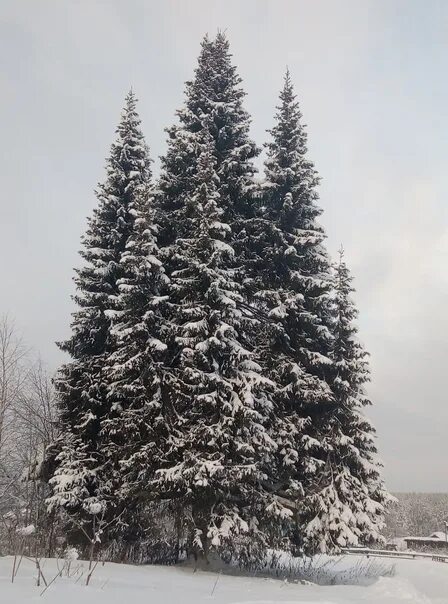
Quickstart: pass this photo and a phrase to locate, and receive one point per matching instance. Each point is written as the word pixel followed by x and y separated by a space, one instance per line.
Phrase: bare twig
pixel 91 571
pixel 216 583
pixel 58 574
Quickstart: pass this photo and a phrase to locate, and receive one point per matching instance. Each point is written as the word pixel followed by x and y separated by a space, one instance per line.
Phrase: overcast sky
pixel 372 82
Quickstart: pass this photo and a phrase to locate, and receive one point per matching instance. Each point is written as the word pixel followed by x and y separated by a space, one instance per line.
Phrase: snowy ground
pixel 415 582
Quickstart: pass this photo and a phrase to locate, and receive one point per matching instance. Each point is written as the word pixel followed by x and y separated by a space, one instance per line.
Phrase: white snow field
pixel 415 582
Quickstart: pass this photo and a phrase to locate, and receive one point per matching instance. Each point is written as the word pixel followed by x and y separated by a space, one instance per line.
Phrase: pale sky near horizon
pixel 371 77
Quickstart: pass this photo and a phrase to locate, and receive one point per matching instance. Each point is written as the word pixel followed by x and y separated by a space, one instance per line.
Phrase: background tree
pixel 12 378
pixel 416 514
pixel 28 427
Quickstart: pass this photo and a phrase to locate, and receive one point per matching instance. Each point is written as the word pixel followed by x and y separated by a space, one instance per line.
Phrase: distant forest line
pixel 417 514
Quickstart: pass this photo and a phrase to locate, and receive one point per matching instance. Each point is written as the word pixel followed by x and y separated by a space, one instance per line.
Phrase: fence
pixel 385 553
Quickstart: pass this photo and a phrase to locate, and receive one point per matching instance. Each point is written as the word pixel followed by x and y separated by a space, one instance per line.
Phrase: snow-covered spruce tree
pixel 135 430
pixel 79 484
pixel 349 509
pixel 289 277
pixel 224 448
pixel 220 458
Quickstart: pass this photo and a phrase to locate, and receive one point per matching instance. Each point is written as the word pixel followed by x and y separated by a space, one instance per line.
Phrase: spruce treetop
pixel 290 176
pixel 214 99
pixel 292 271
pixel 127 178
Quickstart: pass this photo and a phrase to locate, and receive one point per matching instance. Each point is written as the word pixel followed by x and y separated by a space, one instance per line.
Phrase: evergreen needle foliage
pixel 214 399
